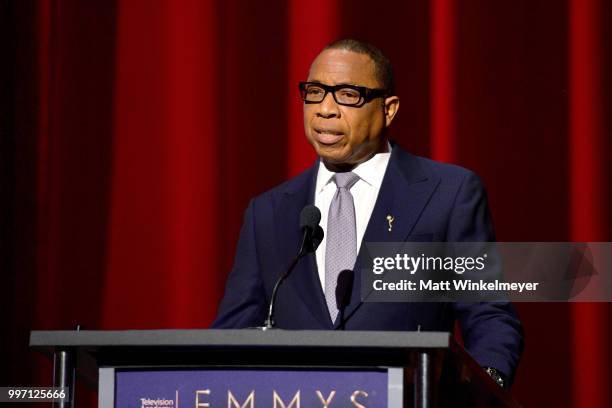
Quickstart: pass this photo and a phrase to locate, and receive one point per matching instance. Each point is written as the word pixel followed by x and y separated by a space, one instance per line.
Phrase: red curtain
pixel 139 131
pixel 587 203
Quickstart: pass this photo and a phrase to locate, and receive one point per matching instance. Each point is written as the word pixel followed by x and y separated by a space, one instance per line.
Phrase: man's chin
pixel 332 155
pixel 337 163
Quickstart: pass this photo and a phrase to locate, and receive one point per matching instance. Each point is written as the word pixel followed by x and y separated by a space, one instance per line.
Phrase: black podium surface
pixel 437 370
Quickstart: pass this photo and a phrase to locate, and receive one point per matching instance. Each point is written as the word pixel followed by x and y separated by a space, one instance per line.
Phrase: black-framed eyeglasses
pixel 344 94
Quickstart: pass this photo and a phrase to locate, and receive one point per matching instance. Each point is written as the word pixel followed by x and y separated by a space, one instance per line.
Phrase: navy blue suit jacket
pixel 429 200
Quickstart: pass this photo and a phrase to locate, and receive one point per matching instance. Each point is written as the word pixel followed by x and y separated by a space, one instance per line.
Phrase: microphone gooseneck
pixel 312 235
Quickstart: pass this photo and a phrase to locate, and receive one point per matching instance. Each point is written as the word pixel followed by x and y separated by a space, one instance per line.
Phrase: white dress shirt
pixel 364 191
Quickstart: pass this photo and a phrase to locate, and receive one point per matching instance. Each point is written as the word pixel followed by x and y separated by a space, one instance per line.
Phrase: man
pixel 367 191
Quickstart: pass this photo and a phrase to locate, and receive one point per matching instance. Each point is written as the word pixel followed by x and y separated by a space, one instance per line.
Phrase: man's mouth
pixel 328 135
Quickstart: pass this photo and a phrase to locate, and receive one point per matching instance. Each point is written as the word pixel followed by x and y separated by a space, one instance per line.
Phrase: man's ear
pixel 391 106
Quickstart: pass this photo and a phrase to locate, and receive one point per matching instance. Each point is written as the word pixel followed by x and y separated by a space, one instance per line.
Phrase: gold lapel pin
pixel 390 220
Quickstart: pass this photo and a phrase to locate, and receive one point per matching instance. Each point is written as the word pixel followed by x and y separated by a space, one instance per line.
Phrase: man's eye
pixel 314 91
pixel 348 93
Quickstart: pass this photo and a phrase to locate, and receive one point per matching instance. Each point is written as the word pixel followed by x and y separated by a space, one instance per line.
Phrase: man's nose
pixel 328 108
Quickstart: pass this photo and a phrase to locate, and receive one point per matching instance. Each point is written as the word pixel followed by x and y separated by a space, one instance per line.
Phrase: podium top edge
pixel 240 338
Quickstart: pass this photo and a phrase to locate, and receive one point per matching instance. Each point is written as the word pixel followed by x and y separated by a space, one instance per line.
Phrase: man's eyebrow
pixel 318 81
pixel 340 84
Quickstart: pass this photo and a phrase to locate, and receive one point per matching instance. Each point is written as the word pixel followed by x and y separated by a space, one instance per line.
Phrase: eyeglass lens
pixel 316 93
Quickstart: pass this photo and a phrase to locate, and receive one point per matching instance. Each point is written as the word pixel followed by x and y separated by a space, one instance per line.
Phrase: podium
pixel 275 368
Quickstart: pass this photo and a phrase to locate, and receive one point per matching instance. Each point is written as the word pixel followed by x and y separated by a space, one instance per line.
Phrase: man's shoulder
pixel 412 165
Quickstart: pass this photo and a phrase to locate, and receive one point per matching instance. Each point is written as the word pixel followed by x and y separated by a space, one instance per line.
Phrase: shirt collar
pixel 371 171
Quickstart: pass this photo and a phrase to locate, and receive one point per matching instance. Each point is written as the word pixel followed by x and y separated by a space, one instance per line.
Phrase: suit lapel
pixel 404 193
pixel 304 278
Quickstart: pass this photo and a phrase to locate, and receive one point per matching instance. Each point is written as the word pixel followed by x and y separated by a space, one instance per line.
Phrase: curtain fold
pixel 312 25
pixel 590 321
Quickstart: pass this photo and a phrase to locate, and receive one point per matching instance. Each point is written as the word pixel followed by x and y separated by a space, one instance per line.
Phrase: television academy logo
pixel 159 402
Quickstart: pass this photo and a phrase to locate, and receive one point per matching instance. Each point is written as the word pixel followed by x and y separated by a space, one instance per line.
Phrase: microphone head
pixel 317 237
pixel 344 288
pixel 310 217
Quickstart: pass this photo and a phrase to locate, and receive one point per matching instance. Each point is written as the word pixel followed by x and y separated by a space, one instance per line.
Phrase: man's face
pixel 344 136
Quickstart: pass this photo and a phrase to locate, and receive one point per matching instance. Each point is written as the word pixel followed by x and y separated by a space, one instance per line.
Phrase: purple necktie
pixel 341 240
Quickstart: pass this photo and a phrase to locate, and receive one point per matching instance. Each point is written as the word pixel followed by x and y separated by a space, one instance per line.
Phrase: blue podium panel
pixel 251 388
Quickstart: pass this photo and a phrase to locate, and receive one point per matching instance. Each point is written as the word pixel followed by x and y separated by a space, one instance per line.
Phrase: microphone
pixel 344 288
pixel 312 235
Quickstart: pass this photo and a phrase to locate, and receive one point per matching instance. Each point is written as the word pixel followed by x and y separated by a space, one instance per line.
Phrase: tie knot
pixel 345 180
